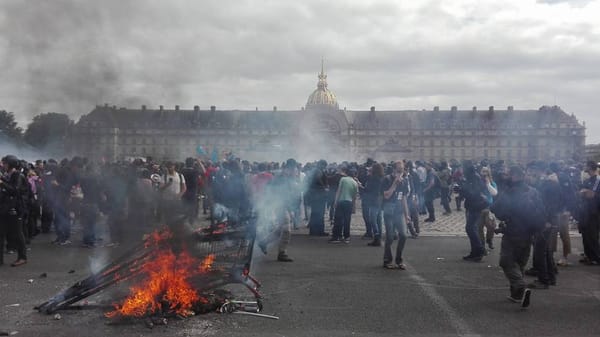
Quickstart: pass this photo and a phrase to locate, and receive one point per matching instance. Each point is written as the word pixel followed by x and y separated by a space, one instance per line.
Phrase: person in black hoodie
pixel 473 191
pixel 10 204
pixel 590 224
pixel 317 191
pixel 521 209
pixel 543 258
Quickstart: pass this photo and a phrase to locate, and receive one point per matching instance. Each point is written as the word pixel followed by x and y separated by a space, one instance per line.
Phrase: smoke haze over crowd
pixel 67 55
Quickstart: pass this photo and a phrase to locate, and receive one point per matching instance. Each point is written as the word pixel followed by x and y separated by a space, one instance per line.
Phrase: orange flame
pixel 166 288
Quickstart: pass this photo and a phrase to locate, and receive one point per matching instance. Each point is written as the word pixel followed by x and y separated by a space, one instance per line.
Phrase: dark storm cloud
pixel 67 56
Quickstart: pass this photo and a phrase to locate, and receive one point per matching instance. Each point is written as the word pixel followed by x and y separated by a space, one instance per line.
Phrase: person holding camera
pixel 395 189
pixel 521 209
pixel 10 209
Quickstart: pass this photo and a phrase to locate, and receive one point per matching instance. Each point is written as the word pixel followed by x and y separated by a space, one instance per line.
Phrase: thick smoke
pixel 68 58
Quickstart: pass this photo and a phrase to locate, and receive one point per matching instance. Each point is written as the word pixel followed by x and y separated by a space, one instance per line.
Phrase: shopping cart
pixel 228 244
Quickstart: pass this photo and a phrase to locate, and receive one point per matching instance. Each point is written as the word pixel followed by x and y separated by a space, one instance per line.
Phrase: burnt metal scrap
pixel 230 246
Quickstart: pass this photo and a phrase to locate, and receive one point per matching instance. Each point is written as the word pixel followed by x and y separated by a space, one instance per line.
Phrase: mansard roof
pixel 112 117
pixel 543 117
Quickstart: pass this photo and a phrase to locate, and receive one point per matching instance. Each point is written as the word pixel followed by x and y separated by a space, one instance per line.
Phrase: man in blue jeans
pixel 344 205
pixel 395 188
pixel 473 191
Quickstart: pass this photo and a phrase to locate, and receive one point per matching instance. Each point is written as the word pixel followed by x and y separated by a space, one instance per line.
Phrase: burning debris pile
pixel 174 275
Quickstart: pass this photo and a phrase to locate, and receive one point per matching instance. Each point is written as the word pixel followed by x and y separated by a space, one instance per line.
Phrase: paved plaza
pixel 329 290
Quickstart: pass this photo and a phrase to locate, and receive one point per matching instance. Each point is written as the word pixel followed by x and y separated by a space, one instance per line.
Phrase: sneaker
pixel 283 257
pixel 401 266
pixel 19 262
pixel 513 299
pixel 374 243
pixel 88 245
pixel 516 295
pixel 389 265
pixel 10 252
pixel 530 272
pixel 473 258
pixel 526 300
pixel 334 240
pixel 538 285
pixel 563 263
pixel 64 243
pixel 346 240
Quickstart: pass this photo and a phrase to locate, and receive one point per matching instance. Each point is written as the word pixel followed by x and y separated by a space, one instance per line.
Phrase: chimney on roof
pixel 491 109
pixel 143 108
pixel 453 109
pixel 196 108
pixel 474 108
pixel 436 108
pixel 213 108
pixel 177 108
pixel 372 109
pixel 274 108
pixel 160 107
pixel 510 108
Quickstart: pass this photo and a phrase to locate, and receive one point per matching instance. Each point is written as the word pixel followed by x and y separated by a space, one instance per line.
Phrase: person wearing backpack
pixel 172 190
pixel 430 190
pixel 521 209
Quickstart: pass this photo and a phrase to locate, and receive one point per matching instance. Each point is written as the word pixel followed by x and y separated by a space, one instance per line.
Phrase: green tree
pixel 48 130
pixel 8 126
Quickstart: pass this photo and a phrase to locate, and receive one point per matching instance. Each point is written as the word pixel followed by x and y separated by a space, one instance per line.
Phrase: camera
pixel 501 228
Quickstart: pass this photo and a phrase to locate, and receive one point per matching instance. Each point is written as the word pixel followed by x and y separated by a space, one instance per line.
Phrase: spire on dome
pixel 322 97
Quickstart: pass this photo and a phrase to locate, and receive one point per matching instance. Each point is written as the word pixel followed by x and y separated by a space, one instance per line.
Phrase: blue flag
pixel 215 155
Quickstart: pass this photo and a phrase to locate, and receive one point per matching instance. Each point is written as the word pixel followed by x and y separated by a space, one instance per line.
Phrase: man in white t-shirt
pixel 172 189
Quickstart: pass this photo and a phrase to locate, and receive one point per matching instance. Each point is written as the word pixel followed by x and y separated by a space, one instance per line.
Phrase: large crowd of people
pixel 532 205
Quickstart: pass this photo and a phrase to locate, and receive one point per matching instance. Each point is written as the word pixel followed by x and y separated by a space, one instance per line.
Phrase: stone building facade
pixel 322 130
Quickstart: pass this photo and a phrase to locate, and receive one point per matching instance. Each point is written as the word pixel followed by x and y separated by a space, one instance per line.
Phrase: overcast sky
pixel 68 55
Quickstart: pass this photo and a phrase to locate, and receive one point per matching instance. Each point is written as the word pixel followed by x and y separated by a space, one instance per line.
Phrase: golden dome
pixel 322 97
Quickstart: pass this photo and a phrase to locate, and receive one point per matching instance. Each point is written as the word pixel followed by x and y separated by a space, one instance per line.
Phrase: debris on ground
pixel 57 317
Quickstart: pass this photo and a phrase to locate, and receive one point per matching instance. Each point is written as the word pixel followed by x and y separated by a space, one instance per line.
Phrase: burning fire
pixel 166 287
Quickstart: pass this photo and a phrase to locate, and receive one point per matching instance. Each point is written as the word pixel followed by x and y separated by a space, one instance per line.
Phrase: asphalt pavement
pixel 329 290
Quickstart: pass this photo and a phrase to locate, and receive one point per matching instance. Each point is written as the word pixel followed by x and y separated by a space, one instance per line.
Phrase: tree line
pixel 45 129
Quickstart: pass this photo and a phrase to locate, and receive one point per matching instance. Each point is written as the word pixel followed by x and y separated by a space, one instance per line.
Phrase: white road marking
pixel 462 328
